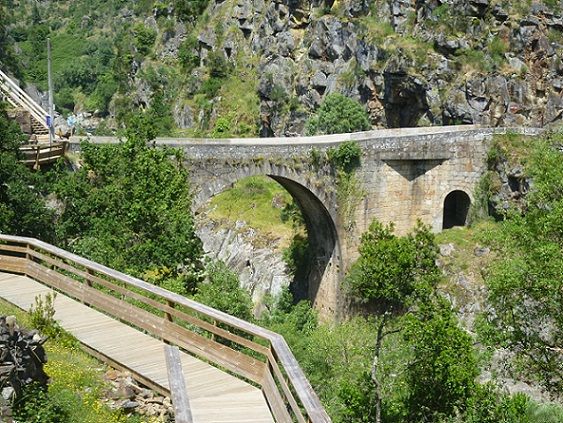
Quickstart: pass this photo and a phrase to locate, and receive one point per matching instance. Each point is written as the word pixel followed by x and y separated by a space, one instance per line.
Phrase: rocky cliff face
pixel 257 67
pixel 261 270
pixel 410 62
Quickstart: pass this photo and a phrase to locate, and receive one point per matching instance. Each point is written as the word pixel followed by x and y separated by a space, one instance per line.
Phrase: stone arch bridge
pixel 405 174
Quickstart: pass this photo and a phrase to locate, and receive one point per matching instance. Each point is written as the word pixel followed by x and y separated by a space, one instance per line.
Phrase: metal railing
pixel 246 350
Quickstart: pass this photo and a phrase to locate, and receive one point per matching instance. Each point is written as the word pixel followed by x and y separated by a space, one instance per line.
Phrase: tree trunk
pixel 374 367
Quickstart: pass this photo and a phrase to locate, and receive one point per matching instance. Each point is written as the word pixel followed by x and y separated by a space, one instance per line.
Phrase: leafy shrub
pixel 187 54
pixel 211 86
pixel 64 99
pixel 189 10
pixel 222 127
pixel 42 313
pixel 222 291
pixel 37 406
pixel 296 256
pixel 346 156
pixel 144 38
pixel 338 114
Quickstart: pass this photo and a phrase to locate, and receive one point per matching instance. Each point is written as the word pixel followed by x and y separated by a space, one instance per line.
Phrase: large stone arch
pixel 317 206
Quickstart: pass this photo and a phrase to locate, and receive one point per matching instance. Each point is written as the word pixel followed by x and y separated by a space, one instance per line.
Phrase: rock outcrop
pixel 411 63
pixel 261 270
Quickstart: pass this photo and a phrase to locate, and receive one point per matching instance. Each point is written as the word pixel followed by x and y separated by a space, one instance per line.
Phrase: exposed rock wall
pixel 261 269
pixel 410 62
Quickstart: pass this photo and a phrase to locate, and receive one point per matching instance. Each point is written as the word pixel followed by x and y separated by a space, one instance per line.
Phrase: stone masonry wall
pixel 405 175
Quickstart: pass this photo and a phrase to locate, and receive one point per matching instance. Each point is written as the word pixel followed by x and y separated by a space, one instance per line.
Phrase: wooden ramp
pixel 214 395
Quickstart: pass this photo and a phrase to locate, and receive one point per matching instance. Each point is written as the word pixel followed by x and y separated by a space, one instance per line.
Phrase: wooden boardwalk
pixel 214 395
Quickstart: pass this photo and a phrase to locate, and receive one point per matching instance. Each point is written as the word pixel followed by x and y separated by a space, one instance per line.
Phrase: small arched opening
pixel 456 209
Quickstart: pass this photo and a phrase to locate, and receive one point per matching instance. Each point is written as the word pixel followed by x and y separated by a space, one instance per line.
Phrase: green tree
pixel 441 374
pixel 392 274
pixel 525 288
pixel 22 209
pixel 129 207
pixel 338 114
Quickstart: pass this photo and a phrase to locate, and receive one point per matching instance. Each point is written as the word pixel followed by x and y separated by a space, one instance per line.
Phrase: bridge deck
pixel 214 395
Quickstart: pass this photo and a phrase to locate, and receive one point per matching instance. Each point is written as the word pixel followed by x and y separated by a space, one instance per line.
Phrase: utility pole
pixel 51 116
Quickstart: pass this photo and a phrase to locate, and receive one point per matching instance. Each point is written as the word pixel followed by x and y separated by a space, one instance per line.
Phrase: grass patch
pixel 77 380
pixel 239 108
pixel 514 147
pixel 257 200
pixel 463 261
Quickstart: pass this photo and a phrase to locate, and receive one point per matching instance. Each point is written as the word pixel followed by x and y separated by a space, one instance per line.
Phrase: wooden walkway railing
pixel 244 349
pixel 37 155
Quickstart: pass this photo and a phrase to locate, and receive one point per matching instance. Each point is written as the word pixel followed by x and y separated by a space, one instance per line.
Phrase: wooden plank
pixel 273 364
pixel 178 390
pixel 13 264
pixel 275 401
pixel 14 248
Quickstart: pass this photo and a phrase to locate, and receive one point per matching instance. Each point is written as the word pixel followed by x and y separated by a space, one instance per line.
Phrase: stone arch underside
pixel 322 279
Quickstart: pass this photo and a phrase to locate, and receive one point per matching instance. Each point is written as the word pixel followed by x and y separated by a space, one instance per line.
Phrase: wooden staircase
pixel 32 119
pixel 22 102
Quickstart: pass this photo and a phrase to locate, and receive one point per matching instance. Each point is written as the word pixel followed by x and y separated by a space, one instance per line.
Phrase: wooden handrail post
pixel 38 152
pixel 177 384
pixel 214 324
pixel 27 257
pixel 89 283
pixel 88 279
pixel 167 315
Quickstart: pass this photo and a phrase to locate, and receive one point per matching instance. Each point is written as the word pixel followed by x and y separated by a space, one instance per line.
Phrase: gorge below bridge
pixel 404 175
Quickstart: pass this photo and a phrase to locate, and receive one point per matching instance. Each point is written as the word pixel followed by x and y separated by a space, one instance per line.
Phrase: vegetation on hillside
pixel 524 288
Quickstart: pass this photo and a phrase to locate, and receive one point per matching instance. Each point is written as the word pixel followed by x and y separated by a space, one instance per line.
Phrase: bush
pixel 187 54
pixel 223 292
pixel 37 406
pixel 338 114
pixel 346 157
pixel 144 38
pixel 189 10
